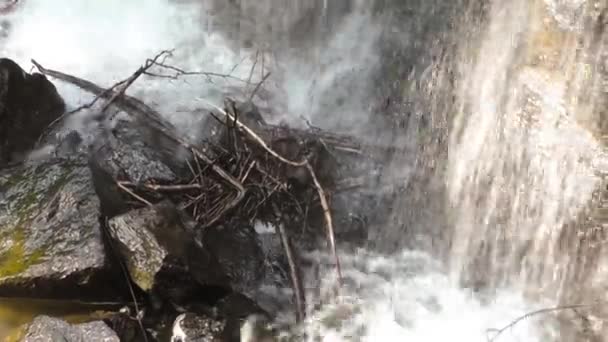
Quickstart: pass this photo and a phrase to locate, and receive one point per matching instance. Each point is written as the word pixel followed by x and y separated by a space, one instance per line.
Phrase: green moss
pixel 31 196
pixel 12 180
pixel 143 279
pixel 63 179
pixel 16 260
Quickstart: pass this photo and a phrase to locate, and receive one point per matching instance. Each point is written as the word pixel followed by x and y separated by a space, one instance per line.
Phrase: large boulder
pixel 45 328
pixel 167 257
pixel 155 240
pixel 29 103
pixel 51 242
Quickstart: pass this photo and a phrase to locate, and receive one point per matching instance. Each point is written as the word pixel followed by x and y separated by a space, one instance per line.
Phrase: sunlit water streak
pixel 513 180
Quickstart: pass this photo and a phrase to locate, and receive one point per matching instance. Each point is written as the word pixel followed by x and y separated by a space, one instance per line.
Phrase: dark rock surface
pixel 146 237
pixel 161 242
pixel 123 154
pixel 28 104
pixel 45 328
pixel 50 231
pixel 237 250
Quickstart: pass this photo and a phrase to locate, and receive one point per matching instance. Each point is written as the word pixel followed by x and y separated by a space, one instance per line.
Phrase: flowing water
pixel 516 224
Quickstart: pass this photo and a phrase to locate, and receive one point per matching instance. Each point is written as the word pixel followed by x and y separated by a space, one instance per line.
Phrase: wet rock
pixel 123 154
pixel 162 238
pixel 127 328
pixel 45 328
pixel 146 237
pixel 189 327
pixel 69 145
pixel 236 247
pixel 28 104
pixel 51 243
pixel 164 260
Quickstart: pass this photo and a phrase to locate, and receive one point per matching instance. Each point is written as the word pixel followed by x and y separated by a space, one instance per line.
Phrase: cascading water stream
pixel 524 155
pixel 526 161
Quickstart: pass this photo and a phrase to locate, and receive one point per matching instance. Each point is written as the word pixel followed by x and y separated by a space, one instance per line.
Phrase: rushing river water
pixel 525 158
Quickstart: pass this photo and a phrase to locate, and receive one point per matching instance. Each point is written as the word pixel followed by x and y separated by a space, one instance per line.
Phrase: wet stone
pixel 189 327
pixel 123 155
pixel 145 237
pixel 29 103
pixel 238 251
pixel 51 241
pixel 45 328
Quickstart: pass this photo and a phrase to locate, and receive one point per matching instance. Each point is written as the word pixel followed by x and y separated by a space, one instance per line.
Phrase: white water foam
pixel 408 297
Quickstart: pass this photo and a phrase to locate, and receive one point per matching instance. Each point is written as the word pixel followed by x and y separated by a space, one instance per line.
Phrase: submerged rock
pixel 45 328
pixel 50 235
pixel 29 103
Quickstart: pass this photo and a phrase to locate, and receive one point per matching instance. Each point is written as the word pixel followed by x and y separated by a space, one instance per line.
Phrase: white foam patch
pixel 406 297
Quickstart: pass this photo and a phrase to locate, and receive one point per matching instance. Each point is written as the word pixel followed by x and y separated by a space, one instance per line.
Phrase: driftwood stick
pixel 328 220
pixel 76 110
pixel 180 72
pixel 296 280
pixel 257 138
pixel 132 79
pixel 125 102
pixel 168 188
pixel 123 186
pixel 257 87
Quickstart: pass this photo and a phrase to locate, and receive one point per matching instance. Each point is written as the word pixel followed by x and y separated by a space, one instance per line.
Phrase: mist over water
pixel 524 156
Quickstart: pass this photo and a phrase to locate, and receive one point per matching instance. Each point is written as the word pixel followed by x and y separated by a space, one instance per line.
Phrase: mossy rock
pixel 49 226
pixel 142 252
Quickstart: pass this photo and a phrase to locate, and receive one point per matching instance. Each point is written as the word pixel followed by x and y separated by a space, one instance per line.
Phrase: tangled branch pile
pixel 243 168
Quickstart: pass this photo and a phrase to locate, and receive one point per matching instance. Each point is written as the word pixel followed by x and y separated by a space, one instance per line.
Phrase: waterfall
pixel 526 158
pixel 500 217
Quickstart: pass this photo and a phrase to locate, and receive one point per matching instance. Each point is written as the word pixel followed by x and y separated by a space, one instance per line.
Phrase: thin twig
pixel 328 219
pixel 132 79
pixel 253 66
pixel 257 87
pixel 76 110
pixel 222 173
pixel 498 332
pixel 123 186
pixel 257 138
pixel 248 171
pixel 296 280
pixel 180 72
pixel 177 187
pixel 125 102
